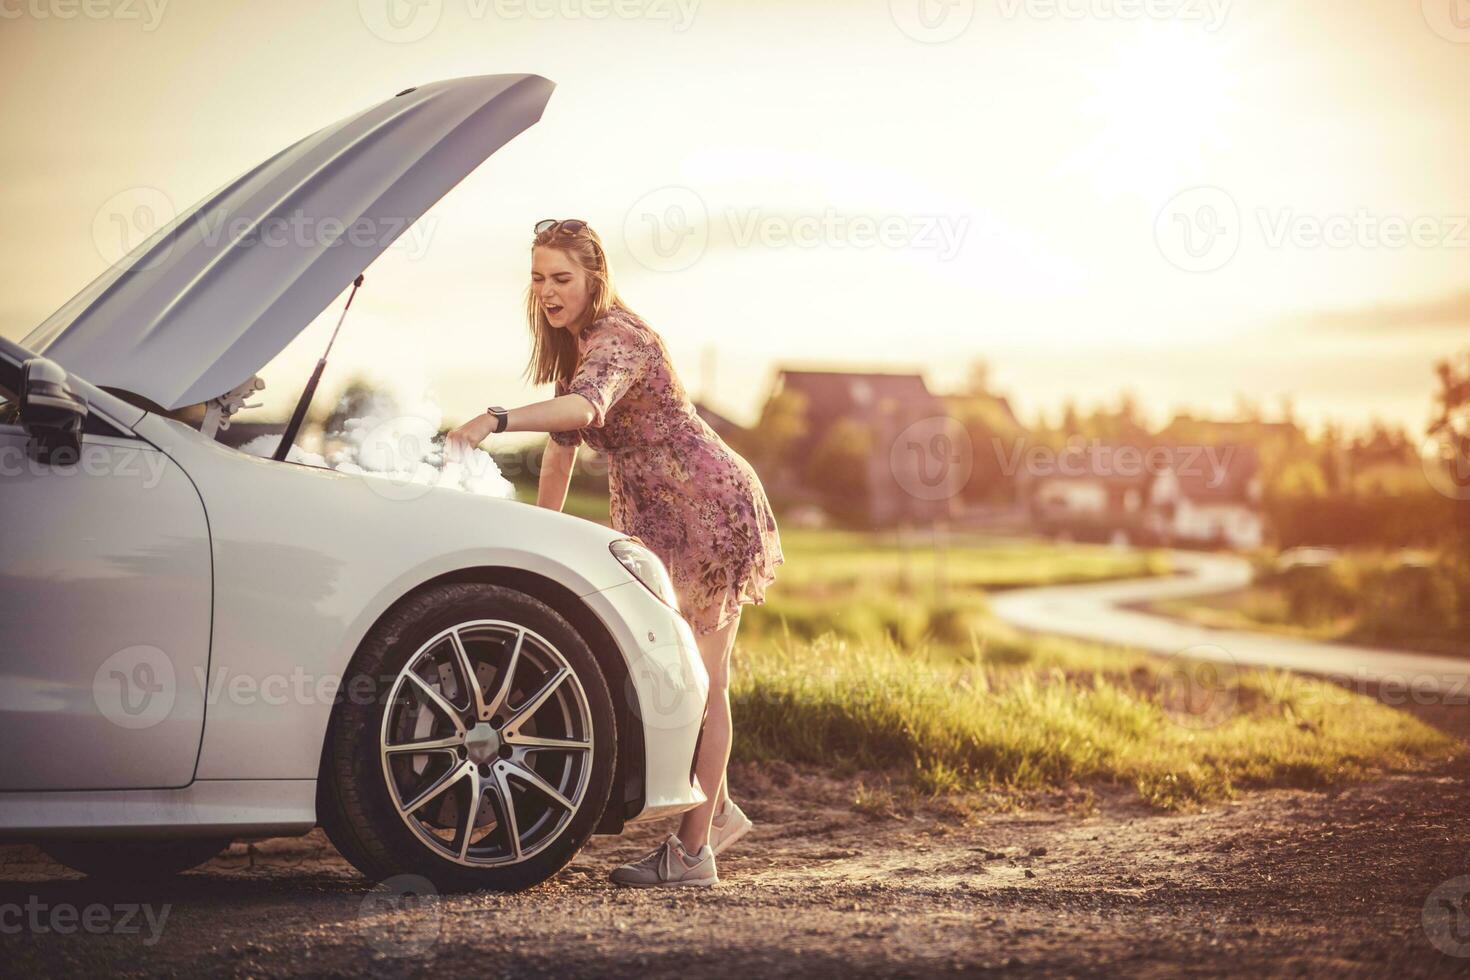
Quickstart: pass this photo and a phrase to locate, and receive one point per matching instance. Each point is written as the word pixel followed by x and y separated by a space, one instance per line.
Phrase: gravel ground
pixel 1281 882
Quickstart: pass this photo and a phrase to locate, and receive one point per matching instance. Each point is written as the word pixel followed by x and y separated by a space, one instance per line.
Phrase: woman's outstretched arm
pixel 560 414
pixel 553 415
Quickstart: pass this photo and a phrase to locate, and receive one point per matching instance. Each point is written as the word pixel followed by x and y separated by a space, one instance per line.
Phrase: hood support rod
pixel 288 438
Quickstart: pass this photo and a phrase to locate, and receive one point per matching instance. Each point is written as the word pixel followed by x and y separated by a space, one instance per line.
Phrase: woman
pixel 672 482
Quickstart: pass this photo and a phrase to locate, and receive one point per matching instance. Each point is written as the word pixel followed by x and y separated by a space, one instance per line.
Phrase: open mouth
pixel 552 310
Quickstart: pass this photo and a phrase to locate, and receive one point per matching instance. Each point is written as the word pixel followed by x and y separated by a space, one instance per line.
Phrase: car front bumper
pixel 665 693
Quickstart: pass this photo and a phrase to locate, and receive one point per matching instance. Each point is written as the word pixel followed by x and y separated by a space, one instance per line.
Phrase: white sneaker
pixel 728 826
pixel 669 865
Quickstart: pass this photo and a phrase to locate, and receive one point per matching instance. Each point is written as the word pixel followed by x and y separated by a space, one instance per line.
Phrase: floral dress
pixel 672 482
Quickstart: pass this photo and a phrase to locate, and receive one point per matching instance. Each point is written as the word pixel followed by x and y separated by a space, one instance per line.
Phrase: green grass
pixel 828 562
pixel 1364 597
pixel 917 588
pixel 878 653
pixel 1050 713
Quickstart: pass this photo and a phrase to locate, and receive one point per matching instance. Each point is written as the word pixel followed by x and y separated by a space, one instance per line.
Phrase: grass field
pixel 1363 597
pixel 877 653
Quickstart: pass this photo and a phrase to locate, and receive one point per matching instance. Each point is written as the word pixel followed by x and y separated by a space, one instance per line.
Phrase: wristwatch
pixel 502 417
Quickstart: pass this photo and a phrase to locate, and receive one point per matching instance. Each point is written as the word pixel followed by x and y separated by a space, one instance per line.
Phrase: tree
pixel 782 425
pixel 838 469
pixel 1451 424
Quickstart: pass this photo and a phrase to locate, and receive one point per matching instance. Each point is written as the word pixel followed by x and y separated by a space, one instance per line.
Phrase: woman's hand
pixel 461 440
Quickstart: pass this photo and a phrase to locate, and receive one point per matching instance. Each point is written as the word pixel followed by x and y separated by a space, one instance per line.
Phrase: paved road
pixel 1096 612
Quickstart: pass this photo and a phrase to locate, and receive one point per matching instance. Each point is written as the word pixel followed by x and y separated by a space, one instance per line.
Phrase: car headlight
pixel 646 568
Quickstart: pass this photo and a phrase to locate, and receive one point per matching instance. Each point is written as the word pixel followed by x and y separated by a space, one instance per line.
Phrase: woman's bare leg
pixel 714 748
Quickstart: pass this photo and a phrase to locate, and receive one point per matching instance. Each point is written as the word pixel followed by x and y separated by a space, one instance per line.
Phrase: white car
pixel 199 645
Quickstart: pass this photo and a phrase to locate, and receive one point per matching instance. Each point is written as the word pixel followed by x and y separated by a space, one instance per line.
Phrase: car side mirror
pixel 50 412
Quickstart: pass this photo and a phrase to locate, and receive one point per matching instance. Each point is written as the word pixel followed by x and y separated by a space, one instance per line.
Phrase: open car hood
pixel 208 300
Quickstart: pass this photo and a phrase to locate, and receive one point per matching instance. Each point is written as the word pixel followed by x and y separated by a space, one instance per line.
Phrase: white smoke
pixel 401 443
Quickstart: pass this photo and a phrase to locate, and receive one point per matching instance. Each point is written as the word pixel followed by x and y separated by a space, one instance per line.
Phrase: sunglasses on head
pixel 571 226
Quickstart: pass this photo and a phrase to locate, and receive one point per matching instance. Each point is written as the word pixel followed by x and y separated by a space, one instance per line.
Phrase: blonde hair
pixel 554 351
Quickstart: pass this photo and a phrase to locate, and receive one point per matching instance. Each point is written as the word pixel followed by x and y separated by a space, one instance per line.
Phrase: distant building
pixel 1192 495
pixel 884 405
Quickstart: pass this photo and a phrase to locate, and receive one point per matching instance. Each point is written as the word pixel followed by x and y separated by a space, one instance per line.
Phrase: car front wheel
pixel 473 743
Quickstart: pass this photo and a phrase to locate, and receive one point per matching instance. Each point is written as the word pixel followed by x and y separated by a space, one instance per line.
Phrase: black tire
pixel 355 802
pixel 133 859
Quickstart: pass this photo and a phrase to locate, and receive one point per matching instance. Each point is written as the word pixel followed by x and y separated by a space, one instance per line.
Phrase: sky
pixel 1196 201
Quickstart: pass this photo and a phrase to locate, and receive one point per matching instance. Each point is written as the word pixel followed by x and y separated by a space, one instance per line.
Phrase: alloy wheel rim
pixel 487 744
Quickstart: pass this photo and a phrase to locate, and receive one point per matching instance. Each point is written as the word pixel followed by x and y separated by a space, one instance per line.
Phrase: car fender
pixel 306 560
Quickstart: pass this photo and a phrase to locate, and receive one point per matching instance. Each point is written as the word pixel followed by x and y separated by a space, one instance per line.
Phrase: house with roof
pixel 1206 496
pixel 846 460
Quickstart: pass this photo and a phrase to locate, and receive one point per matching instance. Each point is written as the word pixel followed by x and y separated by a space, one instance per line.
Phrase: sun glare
pixel 1160 104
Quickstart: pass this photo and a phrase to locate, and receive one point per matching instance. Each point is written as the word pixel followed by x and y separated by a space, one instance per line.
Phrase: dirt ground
pixel 1281 882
